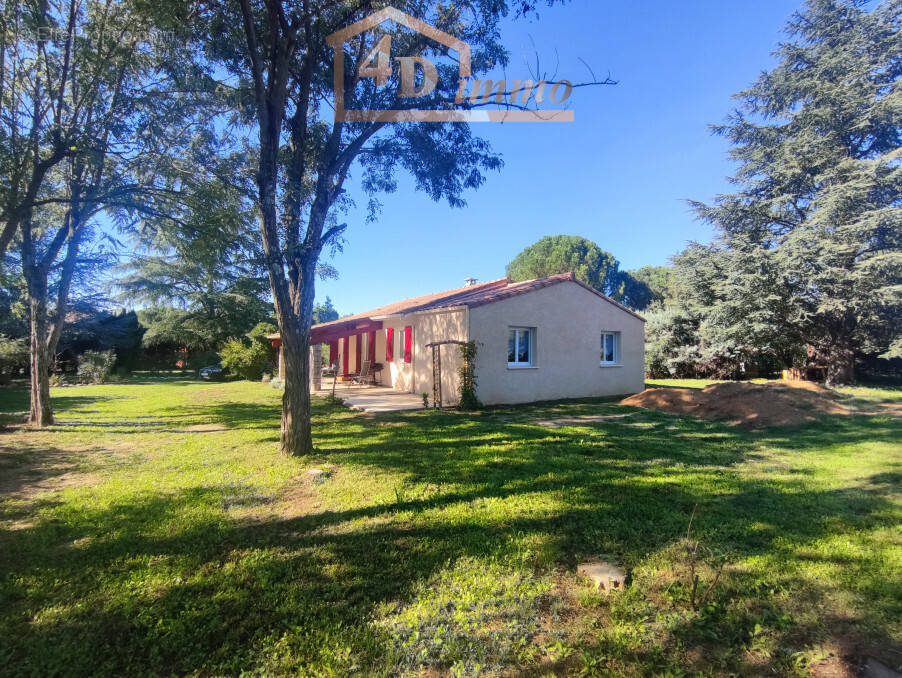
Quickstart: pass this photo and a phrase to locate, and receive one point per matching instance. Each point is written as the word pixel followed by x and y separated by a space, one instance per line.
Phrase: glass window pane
pixel 511 346
pixel 609 348
pixel 523 354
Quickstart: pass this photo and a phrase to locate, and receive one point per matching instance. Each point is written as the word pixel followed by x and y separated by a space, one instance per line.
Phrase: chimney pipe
pixel 469 282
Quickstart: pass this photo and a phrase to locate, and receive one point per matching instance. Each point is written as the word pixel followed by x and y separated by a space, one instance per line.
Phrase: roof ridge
pixel 471 296
pixel 426 299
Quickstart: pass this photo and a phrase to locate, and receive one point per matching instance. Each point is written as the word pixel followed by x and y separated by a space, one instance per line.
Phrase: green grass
pixel 156 530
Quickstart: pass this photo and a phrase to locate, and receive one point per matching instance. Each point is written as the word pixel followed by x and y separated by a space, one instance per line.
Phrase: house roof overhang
pixel 336 330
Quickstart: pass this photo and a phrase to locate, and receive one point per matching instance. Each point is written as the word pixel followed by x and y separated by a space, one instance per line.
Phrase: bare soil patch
pixel 28 473
pixel 205 428
pixel 775 403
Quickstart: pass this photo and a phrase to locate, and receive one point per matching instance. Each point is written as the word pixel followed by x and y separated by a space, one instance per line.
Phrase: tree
pixel 37 130
pixel 89 328
pixel 567 253
pixel 325 312
pixel 728 322
pixel 283 68
pixel 198 269
pixel 816 225
pixel 592 265
pixel 658 281
pixel 78 79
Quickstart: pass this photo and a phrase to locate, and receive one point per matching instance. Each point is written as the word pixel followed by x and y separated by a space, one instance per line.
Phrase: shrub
pixel 13 357
pixel 249 361
pixel 95 367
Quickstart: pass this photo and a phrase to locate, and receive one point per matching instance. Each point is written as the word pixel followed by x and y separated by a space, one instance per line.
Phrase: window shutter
pixel 408 344
pixel 333 353
pixel 389 344
pixel 371 347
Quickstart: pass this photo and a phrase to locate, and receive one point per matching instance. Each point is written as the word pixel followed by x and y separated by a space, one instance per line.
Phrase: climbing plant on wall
pixel 467 371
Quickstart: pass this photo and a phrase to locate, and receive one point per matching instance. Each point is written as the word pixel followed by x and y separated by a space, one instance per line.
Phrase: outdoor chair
pixel 364 375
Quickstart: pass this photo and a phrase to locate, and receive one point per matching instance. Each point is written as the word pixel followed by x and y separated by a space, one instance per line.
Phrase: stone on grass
pixel 318 475
pixel 605 575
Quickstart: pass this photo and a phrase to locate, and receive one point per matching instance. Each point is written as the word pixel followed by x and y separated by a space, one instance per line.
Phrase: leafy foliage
pixel 658 280
pixel 810 249
pixel 324 312
pixel 13 357
pixel 592 265
pixel 467 373
pixel 91 329
pixel 250 359
pixel 567 253
pixel 293 158
pixel 202 280
pixel 246 360
pixel 95 367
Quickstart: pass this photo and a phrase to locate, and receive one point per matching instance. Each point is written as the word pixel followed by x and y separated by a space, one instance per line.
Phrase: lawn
pixel 156 530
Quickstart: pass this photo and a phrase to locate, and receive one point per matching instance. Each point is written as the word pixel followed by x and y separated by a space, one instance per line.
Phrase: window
pixel 610 348
pixel 520 343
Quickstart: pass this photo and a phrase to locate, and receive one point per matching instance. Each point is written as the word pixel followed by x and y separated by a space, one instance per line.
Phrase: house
pixel 542 339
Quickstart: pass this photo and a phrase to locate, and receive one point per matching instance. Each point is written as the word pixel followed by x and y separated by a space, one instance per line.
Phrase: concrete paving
pixel 376 398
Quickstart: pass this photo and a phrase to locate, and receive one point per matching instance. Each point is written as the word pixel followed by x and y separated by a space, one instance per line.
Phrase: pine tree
pixel 816 221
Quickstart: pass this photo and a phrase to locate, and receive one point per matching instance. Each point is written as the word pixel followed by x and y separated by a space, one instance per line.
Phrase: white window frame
pixel 616 360
pixel 532 347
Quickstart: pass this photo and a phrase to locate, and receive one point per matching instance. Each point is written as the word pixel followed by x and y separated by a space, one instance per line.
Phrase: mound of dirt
pixel 775 403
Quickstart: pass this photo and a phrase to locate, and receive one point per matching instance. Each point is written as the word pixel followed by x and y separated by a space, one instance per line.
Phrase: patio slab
pixel 376 398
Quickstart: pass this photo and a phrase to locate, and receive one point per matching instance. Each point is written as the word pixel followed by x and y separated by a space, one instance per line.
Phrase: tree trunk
pixel 837 353
pixel 40 414
pixel 297 431
pixel 841 367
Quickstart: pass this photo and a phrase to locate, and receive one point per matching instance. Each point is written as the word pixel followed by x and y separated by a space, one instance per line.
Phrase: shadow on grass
pixel 168 583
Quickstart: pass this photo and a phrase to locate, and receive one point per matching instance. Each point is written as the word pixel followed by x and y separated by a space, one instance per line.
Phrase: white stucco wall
pixel 568 321
pixel 416 376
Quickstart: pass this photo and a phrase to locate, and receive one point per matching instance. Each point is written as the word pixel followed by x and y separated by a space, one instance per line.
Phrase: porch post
pixel 316 367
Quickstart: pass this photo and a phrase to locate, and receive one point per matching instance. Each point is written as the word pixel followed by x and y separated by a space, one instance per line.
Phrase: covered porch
pixel 351 343
pixel 343 347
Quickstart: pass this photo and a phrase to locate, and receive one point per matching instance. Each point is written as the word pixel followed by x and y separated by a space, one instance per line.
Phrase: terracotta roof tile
pixel 472 296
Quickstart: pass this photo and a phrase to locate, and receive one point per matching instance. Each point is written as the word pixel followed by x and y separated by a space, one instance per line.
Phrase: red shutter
pixel 333 353
pixel 408 344
pixel 371 347
pixel 358 346
pixel 389 344
pixel 346 355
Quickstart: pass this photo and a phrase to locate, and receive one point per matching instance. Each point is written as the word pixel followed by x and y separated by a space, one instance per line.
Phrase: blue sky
pixel 618 175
